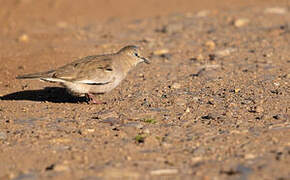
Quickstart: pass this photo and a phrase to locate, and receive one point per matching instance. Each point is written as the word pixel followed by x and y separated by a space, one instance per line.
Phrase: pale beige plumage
pixel 93 74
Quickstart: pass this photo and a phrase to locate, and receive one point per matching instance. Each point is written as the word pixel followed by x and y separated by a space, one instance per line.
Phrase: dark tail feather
pixel 35 75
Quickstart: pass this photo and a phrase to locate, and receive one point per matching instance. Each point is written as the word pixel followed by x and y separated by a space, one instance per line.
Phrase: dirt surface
pixel 213 104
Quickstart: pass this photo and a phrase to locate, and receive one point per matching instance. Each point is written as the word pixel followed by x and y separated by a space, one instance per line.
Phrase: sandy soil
pixel 213 104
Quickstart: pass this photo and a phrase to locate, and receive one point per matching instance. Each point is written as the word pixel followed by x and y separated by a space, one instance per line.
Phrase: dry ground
pixel 213 104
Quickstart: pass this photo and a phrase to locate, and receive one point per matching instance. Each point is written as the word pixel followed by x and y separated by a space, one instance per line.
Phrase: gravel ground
pixel 213 104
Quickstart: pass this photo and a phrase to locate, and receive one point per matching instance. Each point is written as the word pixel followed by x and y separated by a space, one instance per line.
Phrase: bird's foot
pixel 92 99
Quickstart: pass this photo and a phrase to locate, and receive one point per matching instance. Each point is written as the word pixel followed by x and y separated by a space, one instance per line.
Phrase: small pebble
pixel 202 13
pixel 241 22
pixel 210 44
pixel 250 156
pixel 60 167
pixel 134 124
pixel 88 131
pixel 23 38
pixel 196 159
pixel 237 90
pixel 91 130
pixel 164 171
pixel 176 86
pixel 60 140
pixel 225 52
pixel 146 131
pixel 161 52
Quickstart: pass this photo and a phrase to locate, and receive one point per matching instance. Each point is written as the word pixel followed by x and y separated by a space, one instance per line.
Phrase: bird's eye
pixel 136 54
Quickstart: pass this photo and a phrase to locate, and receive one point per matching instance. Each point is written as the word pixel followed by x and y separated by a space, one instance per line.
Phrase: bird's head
pixel 134 53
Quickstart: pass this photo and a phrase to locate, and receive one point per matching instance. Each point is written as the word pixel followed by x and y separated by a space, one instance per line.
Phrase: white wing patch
pixel 52 80
pixel 91 82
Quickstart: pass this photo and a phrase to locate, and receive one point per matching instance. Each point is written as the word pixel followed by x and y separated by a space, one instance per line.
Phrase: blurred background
pixel 100 10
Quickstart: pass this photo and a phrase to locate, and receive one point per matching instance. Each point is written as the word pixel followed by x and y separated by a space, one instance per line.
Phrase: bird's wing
pixel 88 70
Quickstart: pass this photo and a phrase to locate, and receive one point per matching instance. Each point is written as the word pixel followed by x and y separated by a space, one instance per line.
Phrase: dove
pixel 92 75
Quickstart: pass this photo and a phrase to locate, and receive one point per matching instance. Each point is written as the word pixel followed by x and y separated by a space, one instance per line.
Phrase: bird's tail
pixel 36 75
pixel 44 76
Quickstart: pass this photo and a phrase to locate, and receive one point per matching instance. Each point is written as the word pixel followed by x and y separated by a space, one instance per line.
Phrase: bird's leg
pixel 92 99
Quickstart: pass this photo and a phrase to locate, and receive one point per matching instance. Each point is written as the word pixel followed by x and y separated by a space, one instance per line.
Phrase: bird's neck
pixel 128 62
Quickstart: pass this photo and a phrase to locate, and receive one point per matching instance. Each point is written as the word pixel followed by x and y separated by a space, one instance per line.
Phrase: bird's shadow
pixel 49 94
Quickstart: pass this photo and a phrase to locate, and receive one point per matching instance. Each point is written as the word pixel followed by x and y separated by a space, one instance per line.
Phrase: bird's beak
pixel 145 60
